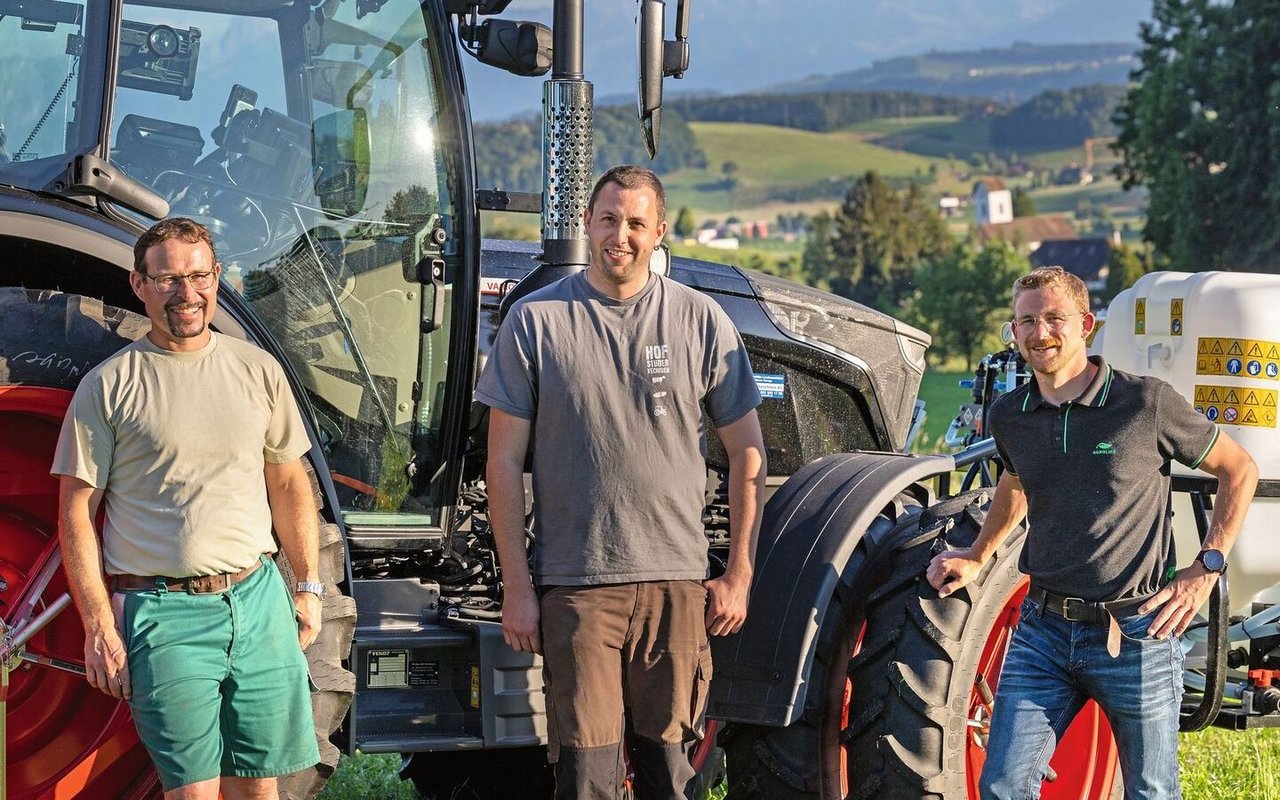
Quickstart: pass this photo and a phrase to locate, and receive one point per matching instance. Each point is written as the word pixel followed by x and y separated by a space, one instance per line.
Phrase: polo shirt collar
pixel 1095 394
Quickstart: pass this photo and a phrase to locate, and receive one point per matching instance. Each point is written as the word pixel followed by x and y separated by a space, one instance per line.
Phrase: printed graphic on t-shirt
pixel 657 365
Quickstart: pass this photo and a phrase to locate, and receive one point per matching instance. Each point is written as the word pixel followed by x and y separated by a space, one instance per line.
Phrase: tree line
pixel 890 250
pixel 1059 118
pixel 822 111
pixel 1200 130
pixel 509 153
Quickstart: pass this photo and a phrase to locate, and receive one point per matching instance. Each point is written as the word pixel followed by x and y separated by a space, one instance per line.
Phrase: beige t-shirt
pixel 178 442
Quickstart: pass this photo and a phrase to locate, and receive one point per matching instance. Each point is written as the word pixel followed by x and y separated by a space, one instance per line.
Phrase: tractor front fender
pixel 808 544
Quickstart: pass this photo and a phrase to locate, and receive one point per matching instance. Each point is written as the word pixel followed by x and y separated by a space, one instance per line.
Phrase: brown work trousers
pixel 638 646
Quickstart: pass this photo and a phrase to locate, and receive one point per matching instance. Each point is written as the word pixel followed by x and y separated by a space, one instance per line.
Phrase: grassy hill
pixel 776 164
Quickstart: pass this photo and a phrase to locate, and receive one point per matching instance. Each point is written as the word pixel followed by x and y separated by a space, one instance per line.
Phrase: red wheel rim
pixel 64 738
pixel 1085 761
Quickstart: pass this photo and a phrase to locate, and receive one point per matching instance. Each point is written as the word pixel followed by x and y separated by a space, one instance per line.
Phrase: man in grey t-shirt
pixel 612 372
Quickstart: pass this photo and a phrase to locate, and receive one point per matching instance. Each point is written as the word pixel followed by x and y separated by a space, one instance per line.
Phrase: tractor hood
pixel 872 356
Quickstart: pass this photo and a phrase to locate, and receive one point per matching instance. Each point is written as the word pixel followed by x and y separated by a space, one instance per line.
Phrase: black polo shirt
pixel 1096 474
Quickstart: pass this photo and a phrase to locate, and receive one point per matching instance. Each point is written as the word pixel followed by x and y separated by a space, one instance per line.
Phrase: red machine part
pixel 1263 677
pixel 65 740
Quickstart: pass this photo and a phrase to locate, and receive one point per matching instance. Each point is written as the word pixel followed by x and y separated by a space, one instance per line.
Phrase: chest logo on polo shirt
pixel 1104 449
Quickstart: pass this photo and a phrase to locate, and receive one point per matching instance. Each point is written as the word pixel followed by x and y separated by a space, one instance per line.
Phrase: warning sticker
pixel 1254 358
pixel 1140 316
pixel 1237 405
pixel 1175 316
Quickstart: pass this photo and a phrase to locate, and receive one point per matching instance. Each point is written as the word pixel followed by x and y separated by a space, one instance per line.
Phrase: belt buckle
pixel 1086 613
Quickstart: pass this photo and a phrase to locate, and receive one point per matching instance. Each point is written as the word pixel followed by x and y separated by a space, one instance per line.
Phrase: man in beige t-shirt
pixel 194 442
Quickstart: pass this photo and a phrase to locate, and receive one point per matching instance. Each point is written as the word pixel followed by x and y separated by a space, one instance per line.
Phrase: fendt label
pixel 388 669
pixel 1237 405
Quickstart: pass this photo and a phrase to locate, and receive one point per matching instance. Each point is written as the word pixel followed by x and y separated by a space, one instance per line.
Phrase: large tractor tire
pixel 903 712
pixel 65 739
pixel 333 685
pixel 807 759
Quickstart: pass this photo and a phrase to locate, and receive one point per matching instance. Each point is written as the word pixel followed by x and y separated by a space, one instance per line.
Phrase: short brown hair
pixel 632 176
pixel 188 230
pixel 1054 278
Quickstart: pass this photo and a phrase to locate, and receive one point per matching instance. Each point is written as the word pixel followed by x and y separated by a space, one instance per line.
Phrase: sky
pixel 744 45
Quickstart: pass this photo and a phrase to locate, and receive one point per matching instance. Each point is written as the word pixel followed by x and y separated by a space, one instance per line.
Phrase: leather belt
pixel 198 584
pixel 1075 609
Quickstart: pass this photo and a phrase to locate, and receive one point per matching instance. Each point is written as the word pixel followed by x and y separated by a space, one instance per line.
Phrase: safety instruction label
pixel 1253 358
pixel 1175 316
pixel 1140 316
pixel 1237 405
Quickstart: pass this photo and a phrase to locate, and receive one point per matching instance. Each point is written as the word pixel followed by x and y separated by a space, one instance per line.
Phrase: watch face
pixel 1213 560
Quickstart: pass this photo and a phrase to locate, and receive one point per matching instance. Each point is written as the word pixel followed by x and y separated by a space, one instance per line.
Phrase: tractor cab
pixel 319 145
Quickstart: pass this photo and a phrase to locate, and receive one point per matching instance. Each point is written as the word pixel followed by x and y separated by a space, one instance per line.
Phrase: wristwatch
pixel 1213 560
pixel 314 587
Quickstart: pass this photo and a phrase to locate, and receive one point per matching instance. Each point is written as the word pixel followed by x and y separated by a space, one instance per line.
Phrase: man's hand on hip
pixel 521 616
pixel 1179 600
pixel 727 603
pixel 309 610
pixel 105 662
pixel 951 570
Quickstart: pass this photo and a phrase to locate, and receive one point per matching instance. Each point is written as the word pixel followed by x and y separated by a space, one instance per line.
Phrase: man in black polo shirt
pixel 1087 450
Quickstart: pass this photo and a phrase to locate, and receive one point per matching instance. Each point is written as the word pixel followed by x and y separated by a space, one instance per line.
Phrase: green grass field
pixel 938 137
pixel 1216 765
pixel 771 158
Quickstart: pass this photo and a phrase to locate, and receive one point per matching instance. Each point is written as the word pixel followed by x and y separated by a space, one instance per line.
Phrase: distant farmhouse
pixel 1084 258
pixel 1051 240
pixel 1028 232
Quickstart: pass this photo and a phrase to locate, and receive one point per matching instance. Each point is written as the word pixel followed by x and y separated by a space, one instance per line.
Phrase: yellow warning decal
pixel 1244 358
pixel 1237 405
pixel 475 686
pixel 1175 316
pixel 1140 316
pixel 1093 334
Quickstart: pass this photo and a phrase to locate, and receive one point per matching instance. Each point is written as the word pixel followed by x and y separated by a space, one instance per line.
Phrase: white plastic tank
pixel 1215 336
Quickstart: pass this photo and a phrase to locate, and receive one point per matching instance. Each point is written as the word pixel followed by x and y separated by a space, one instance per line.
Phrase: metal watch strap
pixel 314 587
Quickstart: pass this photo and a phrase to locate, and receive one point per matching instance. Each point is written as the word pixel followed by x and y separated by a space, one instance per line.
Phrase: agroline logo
pixel 1104 449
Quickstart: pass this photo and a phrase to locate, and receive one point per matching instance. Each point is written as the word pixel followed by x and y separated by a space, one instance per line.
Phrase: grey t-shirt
pixel 1096 474
pixel 616 391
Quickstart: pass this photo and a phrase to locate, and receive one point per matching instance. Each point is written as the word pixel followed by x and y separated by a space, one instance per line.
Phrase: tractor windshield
pixel 307 137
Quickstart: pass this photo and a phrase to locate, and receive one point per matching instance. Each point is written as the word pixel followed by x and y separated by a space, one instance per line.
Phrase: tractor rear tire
pixel 805 760
pixel 333 685
pixel 915 701
pixel 892 721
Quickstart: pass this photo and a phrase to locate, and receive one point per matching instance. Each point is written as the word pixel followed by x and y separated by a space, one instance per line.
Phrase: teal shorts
pixel 220 685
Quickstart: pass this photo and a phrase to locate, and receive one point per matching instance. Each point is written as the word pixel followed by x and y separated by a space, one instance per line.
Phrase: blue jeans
pixel 1052 669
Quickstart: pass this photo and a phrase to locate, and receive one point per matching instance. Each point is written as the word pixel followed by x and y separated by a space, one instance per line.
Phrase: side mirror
pixel 340 161
pixel 521 48
pixel 659 58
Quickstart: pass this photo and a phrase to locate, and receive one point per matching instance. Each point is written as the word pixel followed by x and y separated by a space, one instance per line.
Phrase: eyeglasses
pixel 1053 322
pixel 168 284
